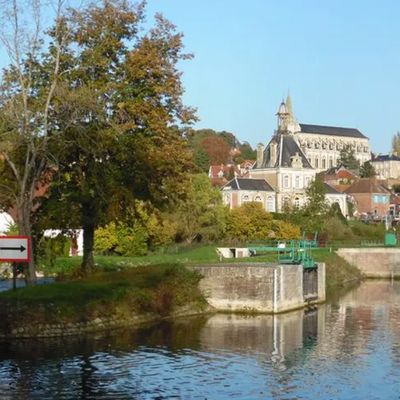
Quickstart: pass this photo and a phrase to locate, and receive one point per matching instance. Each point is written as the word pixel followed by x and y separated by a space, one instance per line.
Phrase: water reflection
pixel 349 348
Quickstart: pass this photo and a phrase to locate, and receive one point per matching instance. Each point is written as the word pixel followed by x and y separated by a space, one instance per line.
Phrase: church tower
pixel 287 122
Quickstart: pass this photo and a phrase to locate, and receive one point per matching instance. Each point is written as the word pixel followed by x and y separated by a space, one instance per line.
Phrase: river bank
pixel 136 294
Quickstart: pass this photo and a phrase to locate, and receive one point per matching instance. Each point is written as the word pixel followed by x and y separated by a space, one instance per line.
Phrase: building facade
pixel 387 166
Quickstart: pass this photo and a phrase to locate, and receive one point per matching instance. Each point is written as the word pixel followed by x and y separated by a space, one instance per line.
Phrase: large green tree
pixel 119 110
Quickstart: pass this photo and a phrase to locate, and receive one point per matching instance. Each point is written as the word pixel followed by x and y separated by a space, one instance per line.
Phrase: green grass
pixel 198 255
pixel 158 289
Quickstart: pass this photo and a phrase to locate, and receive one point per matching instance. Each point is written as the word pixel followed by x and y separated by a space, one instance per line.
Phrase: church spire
pixel 289 107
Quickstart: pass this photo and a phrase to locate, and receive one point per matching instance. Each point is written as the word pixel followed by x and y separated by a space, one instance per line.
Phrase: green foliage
pixel 396 143
pixel 396 188
pixel 348 159
pixel 201 160
pixel 252 222
pixel 367 170
pixel 51 248
pixel 201 216
pixel 121 239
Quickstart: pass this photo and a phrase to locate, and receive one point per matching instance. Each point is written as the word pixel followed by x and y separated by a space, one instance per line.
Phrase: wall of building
pixel 235 198
pixel 365 204
pixel 389 169
pixel 324 147
pixel 374 262
pixel 256 287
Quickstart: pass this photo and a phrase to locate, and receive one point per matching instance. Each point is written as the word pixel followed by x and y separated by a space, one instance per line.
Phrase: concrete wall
pixel 256 287
pixel 374 262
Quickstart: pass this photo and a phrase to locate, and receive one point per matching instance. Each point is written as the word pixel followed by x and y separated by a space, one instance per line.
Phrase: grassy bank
pixel 125 288
pixel 157 291
pixel 339 272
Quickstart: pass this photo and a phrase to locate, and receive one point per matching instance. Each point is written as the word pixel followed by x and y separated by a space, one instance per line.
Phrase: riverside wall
pixel 258 287
pixel 377 262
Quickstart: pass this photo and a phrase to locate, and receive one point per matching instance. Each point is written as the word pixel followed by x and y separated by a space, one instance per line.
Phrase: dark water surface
pixel 347 349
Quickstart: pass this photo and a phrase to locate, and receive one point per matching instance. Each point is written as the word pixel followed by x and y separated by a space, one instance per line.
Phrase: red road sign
pixel 15 248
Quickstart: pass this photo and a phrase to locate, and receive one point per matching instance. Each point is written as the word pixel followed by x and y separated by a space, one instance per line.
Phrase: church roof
pixel 287 147
pixel 331 131
pixel 249 184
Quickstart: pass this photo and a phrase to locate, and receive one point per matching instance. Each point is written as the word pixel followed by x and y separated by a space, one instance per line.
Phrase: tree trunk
pixel 88 243
pixel 24 228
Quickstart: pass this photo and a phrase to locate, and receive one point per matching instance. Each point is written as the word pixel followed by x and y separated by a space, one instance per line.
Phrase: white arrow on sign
pixel 15 248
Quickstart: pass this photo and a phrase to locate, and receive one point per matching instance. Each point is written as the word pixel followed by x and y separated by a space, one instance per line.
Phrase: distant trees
pixel 396 143
pixel 347 159
pixel 218 148
pixel 367 170
pixel 202 216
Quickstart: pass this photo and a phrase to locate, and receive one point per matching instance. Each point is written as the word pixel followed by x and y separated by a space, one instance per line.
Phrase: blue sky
pixel 339 59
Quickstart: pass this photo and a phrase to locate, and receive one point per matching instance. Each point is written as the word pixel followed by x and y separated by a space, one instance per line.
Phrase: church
pixel 295 154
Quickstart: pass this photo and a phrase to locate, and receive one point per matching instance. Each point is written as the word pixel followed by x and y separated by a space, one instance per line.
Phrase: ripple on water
pixel 346 350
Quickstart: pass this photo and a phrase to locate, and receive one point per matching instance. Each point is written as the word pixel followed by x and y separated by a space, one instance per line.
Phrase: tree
pixel 119 109
pixel 217 150
pixel 347 159
pixel 251 222
pixel 26 101
pixel 201 160
pixel 202 215
pixel 396 143
pixel 367 170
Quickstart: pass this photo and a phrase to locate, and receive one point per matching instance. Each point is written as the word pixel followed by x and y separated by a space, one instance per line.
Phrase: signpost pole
pixel 14 275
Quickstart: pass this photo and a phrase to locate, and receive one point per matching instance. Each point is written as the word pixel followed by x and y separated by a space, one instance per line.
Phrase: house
pixel 242 190
pixel 340 177
pixel 220 174
pixel 387 166
pixel 371 198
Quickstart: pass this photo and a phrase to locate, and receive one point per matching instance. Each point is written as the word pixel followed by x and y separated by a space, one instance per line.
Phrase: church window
pixel 286 181
pixel 323 163
pixel 316 162
pixel 270 204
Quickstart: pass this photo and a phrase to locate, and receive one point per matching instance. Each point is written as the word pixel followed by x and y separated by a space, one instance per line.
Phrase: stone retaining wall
pixel 374 262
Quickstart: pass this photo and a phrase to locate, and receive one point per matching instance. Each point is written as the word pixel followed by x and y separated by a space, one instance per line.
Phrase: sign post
pixel 15 249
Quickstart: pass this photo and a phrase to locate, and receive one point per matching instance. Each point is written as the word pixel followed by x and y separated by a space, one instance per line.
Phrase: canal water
pixel 348 348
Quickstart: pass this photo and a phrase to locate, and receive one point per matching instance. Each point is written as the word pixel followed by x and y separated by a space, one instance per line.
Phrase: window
pixel 270 204
pixel 323 163
pixel 316 162
pixel 286 181
pixel 330 163
pixel 257 198
pixel 245 198
pixel 308 179
pixel 297 182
